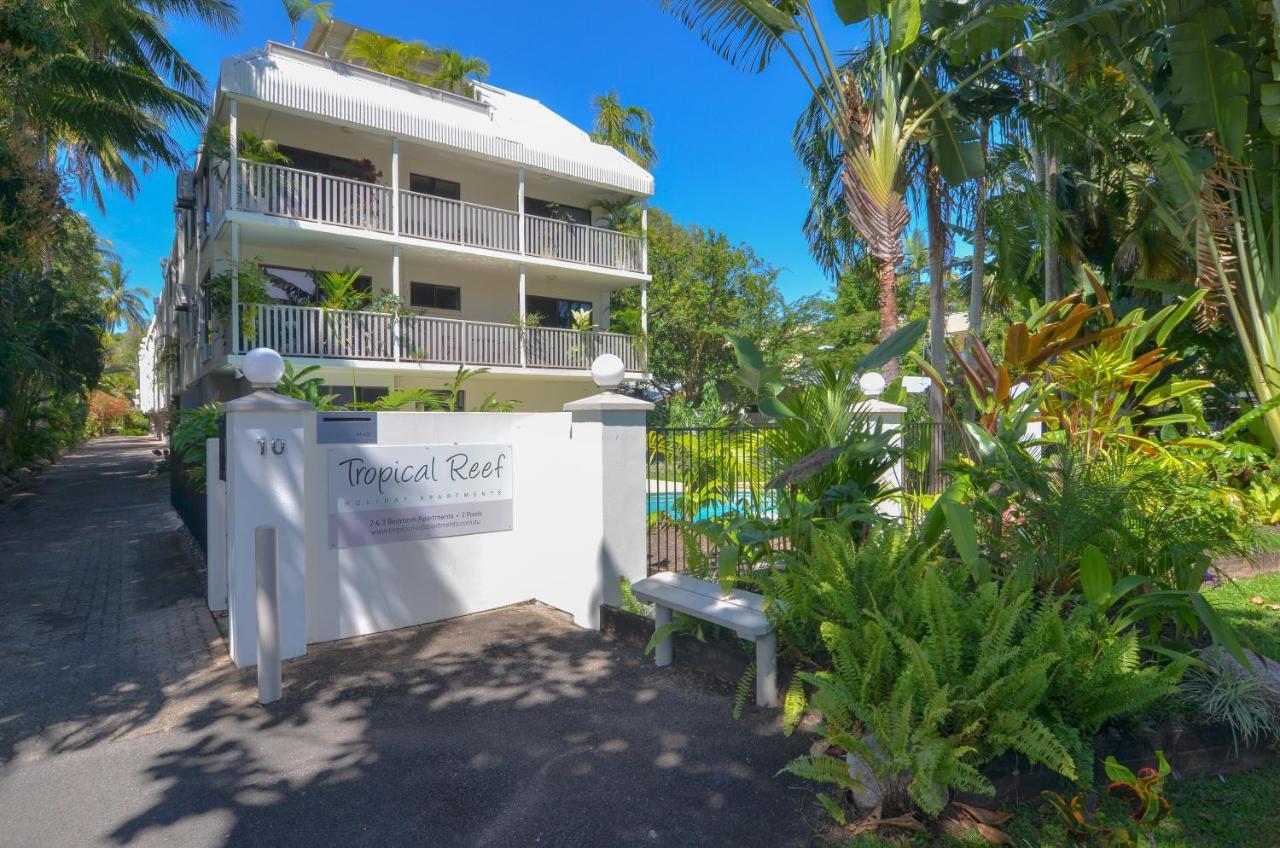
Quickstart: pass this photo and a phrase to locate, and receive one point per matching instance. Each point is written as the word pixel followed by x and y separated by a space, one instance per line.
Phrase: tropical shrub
pixel 191 428
pixel 929 676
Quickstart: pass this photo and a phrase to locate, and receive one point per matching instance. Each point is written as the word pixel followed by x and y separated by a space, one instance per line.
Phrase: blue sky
pixel 722 135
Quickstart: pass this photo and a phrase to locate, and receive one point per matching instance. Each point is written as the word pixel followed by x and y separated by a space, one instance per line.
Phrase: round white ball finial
pixel 263 368
pixel 872 384
pixel 607 371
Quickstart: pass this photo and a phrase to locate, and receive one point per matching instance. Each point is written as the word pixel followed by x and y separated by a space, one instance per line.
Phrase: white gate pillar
pixel 266 438
pixel 888 416
pixel 616 423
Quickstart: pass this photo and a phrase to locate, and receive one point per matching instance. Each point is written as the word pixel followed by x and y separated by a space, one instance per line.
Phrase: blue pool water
pixel 668 502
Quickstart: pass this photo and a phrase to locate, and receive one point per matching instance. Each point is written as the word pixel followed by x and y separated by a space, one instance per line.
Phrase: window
pixel 325 163
pixel 432 296
pixel 346 394
pixel 298 286
pixel 423 184
pixel 558 211
pixel 555 311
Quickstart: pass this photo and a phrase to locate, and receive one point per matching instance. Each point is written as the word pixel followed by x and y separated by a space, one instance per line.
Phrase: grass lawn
pixel 1257 623
pixel 1240 810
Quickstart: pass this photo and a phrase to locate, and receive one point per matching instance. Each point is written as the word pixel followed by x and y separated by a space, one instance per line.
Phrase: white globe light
pixel 608 371
pixel 263 368
pixel 872 384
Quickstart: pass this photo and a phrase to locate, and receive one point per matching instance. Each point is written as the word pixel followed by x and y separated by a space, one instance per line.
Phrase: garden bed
pixel 1194 750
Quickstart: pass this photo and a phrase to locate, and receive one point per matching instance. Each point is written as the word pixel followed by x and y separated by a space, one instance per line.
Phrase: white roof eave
pixel 506 127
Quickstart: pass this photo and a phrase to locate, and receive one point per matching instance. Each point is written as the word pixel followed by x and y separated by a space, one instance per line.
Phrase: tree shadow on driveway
pixel 504 728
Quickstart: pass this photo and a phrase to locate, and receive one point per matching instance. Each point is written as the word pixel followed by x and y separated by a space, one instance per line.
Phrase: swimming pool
pixel 669 503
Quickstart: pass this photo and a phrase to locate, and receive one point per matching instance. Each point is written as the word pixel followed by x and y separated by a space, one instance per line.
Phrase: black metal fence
pixel 928 449
pixel 696 473
pixel 188 501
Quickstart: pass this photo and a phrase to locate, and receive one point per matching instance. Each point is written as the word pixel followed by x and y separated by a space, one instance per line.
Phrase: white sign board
pixel 402 493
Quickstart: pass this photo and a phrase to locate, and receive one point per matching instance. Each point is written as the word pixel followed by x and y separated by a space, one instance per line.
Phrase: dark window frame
pixel 435 186
pixel 435 288
pixel 364 283
pixel 555 311
pixel 557 211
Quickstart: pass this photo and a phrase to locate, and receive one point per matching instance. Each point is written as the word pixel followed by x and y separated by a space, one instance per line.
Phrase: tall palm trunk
pixel 1052 275
pixel 979 266
pixel 888 275
pixel 937 226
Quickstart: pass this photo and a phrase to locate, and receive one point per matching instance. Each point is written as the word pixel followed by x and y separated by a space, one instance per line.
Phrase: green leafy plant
pixel 303 386
pixel 1222 690
pixel 929 675
pixel 191 428
pixel 341 290
pixel 253 292
pixel 1143 793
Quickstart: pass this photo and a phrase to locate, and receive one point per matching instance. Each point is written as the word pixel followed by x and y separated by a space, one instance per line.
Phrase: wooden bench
pixel 742 612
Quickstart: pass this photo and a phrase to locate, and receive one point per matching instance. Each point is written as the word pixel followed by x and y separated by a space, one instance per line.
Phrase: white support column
pixel 235 287
pixel 520 210
pixel 395 289
pixel 644 233
pixel 524 330
pixel 235 164
pixel 616 423
pixel 395 189
pixel 644 307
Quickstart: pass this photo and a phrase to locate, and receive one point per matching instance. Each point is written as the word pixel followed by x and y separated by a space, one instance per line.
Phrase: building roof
pixel 500 125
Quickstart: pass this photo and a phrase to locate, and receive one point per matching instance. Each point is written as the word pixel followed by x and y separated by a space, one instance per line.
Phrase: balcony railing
pixel 309 196
pixel 441 219
pixel 313 332
pixel 554 239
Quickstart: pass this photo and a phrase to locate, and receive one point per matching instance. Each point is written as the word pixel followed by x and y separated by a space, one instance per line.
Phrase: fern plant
pixel 925 673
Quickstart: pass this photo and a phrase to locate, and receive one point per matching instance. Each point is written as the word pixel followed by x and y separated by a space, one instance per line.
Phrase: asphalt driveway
pixel 123 723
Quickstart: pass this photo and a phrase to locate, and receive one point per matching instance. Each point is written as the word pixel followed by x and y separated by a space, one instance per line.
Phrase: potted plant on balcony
pixel 583 326
pixel 248 276
pixel 340 292
pixel 250 147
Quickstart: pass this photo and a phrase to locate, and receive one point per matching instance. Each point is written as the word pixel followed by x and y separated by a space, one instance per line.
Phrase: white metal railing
pixel 309 196
pixel 570 242
pixel 551 347
pixel 458 222
pixel 314 332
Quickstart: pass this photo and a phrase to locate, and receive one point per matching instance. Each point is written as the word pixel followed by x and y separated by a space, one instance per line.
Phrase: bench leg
pixel 767 670
pixel 662 651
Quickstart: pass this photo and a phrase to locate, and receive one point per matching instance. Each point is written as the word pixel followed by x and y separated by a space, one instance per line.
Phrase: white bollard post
pixel 266 559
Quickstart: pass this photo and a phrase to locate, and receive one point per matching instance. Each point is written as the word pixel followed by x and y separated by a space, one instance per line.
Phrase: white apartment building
pixel 479 212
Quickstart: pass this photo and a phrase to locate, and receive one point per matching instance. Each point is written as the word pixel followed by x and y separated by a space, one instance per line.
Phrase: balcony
pixel 317 333
pixel 308 196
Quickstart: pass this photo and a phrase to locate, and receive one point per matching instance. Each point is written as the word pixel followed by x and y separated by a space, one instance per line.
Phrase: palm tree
pixel 101 85
pixel 455 72
pixel 120 302
pixel 388 55
pixel 300 10
pixel 627 129
pixel 871 123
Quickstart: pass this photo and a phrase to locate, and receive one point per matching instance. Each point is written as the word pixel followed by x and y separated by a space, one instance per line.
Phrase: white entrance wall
pixel 578 526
